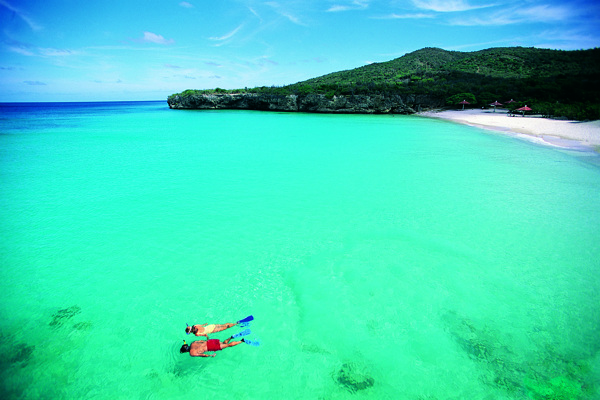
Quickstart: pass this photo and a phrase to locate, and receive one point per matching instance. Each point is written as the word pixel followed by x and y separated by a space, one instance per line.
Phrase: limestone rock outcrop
pixel 315 103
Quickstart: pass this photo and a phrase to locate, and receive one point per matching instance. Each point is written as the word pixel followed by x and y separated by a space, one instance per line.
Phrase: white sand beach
pixel 567 134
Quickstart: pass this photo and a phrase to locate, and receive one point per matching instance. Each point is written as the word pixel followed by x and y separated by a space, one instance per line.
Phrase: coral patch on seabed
pixel 546 374
pixel 353 377
pixel 83 326
pixel 22 355
pixel 63 315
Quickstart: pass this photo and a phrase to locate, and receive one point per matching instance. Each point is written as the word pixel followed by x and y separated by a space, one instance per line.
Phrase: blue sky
pixel 101 50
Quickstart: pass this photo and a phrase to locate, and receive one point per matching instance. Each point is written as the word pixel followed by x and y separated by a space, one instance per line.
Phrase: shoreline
pixel 569 135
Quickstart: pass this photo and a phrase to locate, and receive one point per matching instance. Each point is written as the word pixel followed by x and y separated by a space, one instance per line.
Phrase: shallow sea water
pixel 382 257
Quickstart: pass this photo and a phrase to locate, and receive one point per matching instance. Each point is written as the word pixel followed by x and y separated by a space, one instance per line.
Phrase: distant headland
pixel 553 83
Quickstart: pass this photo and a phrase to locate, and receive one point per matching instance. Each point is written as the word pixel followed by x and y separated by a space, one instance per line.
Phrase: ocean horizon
pixel 382 256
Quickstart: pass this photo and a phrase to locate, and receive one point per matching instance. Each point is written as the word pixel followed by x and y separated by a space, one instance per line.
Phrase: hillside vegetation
pixel 551 82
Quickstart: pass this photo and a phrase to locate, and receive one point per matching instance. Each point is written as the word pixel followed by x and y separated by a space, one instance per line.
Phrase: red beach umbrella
pixel 523 109
pixel 495 104
pixel 511 101
pixel 463 103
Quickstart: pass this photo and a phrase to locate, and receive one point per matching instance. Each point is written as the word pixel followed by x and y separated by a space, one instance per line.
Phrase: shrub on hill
pixel 564 83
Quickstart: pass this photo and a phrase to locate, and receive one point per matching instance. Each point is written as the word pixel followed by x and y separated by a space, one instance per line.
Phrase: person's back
pixel 198 348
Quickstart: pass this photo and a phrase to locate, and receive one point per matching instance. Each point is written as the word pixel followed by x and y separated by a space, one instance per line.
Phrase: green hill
pixel 553 82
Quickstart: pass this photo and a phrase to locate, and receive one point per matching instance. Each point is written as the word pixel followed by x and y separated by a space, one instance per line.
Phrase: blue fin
pixel 242 333
pixel 247 319
pixel 244 324
pixel 253 342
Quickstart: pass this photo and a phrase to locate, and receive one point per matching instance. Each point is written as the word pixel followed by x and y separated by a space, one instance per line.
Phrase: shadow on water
pixel 182 365
pixel 545 374
pixel 19 360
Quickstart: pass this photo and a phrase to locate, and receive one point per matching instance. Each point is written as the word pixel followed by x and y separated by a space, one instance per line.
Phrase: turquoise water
pixel 382 257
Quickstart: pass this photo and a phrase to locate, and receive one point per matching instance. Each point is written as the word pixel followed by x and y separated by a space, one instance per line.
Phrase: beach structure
pixel 463 103
pixel 495 103
pixel 523 109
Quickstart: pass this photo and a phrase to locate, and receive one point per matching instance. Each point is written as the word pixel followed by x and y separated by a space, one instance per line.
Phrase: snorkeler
pixel 206 329
pixel 200 347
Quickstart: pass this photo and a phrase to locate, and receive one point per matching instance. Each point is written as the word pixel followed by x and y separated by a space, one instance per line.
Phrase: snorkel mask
pixel 185 348
pixel 186 329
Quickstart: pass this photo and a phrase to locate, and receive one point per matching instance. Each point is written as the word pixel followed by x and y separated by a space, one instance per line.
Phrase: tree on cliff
pixel 457 98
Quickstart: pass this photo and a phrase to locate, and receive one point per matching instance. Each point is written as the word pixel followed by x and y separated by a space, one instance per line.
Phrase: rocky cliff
pixel 316 103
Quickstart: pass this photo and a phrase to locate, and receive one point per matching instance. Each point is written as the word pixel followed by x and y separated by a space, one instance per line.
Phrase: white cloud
pixel 517 15
pixel 21 14
pixel 50 52
pixel 406 16
pixel 255 13
pixel 544 13
pixel 509 41
pixel 447 5
pixel 567 40
pixel 337 8
pixel 27 49
pixel 285 13
pixel 292 18
pixel 108 81
pixel 154 38
pixel 354 5
pixel 185 4
pixel 569 35
pixel 21 50
pixel 227 36
pixel 34 83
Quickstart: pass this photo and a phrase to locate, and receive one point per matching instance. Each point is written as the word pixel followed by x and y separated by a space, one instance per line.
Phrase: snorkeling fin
pixel 253 342
pixel 244 324
pixel 247 319
pixel 242 333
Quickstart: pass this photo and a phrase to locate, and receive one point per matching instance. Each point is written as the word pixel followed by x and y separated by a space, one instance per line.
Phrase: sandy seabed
pixel 575 135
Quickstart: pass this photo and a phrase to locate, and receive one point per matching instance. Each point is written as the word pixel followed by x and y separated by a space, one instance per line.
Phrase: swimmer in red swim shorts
pixel 200 347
